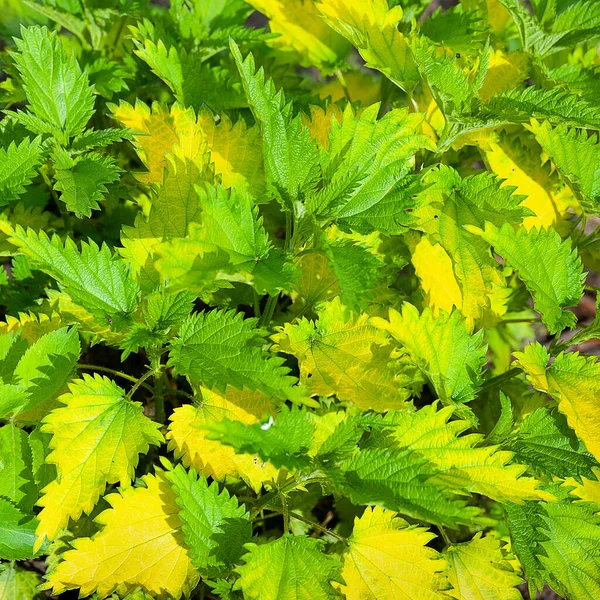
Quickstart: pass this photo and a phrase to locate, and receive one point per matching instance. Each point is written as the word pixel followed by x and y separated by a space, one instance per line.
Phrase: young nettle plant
pixel 290 311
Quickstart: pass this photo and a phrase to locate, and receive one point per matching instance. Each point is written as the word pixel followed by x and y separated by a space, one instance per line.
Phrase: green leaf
pixel 230 223
pixel 83 180
pixel 214 525
pixel 290 155
pixel 18 166
pixel 46 367
pixel 557 105
pixel 220 347
pixel 548 266
pixel 450 357
pixel 59 94
pixel 94 277
pixel 546 443
pixel 367 170
pixel 290 568
pixel 576 155
pixel 400 481
pixel 16 478
pixel 17 533
pixel 284 439
pixel 18 584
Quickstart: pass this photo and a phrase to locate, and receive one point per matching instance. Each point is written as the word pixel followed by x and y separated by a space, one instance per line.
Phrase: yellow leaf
pixel 162 130
pixel 520 169
pixel 504 72
pixel 343 354
pixel 301 29
pixel 187 437
pixel 372 27
pixel 479 571
pixel 141 544
pixel 31 326
pixel 588 490
pixel 357 86
pixel 96 439
pixel 574 381
pixel 320 122
pixel 461 461
pixel 433 267
pixel 236 152
pixel 389 560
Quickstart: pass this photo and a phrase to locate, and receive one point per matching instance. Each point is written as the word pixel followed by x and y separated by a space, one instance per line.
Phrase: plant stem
pixel 269 310
pixel 140 381
pixel 318 527
pixel 256 304
pixel 112 372
pixel 499 379
pixel 159 398
pixel 342 80
pixel 445 535
pixel 286 513
pixel 522 320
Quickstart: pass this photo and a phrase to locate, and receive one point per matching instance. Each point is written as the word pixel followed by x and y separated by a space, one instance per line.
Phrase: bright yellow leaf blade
pixel 434 268
pixel 141 544
pixel 388 560
pixel 301 29
pixel 462 463
pixel 574 381
pixel 96 439
pixel 343 354
pixel 479 571
pixel 372 27
pixel 588 490
pixel 209 457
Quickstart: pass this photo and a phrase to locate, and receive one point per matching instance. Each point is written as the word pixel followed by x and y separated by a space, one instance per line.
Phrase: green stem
pixel 286 513
pixel 318 527
pixel 500 379
pixel 445 535
pixel 180 393
pixel 139 382
pixel 112 372
pixel 522 320
pixel 256 304
pixel 269 310
pixel 159 398
pixel 342 80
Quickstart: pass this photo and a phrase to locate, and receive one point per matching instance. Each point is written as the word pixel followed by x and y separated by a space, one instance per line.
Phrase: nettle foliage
pixel 288 308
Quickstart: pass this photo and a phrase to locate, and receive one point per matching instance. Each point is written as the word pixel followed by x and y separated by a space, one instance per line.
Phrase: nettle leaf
pixel 17 533
pixel 388 558
pixel 343 354
pixel 215 527
pixel 290 568
pixel 448 355
pixel 569 150
pixel 545 442
pixel 188 437
pixel 290 155
pixel 18 166
pixel 93 276
pixel 462 462
pixel 83 180
pixel 60 97
pixel 96 439
pixel 400 480
pixel 547 265
pixel 572 380
pixel 142 522
pixel 16 477
pixel 478 569
pixel 218 348
pixel 367 170
pixel 372 27
pixel 284 439
pixel 17 583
